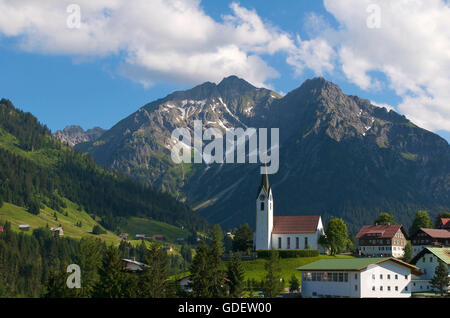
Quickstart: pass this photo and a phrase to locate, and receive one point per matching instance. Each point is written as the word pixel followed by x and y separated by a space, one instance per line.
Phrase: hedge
pixel 289 253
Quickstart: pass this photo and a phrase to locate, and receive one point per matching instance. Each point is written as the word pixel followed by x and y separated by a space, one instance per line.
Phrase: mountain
pixel 339 155
pixel 73 135
pixel 38 172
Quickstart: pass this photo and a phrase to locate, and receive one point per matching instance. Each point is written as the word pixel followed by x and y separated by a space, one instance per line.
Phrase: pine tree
pixel 215 258
pixel 235 274
pixel 440 280
pixel 89 260
pixel 243 239
pixel 153 281
pixel 111 278
pixel 200 272
pixel 272 284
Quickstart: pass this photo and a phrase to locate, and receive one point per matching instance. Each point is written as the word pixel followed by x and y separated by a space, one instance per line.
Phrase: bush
pixel 289 253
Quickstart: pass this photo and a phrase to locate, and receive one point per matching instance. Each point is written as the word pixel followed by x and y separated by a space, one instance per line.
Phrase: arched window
pixel 262 206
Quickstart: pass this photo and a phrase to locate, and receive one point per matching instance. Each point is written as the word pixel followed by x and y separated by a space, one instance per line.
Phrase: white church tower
pixel 264 215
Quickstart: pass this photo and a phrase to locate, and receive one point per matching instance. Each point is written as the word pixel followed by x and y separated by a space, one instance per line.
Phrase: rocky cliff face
pixel 339 155
pixel 74 135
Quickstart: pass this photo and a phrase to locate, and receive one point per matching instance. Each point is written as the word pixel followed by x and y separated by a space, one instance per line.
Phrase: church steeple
pixel 264 183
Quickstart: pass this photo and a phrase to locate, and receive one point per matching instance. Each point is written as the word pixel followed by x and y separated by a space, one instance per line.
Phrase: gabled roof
pixel 384 231
pixel 443 253
pixel 352 264
pixel 437 233
pixel 295 224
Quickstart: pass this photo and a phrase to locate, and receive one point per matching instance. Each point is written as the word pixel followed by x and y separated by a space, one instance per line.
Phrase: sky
pixel 92 63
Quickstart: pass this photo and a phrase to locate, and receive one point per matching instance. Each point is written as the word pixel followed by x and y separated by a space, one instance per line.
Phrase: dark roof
pixel 384 231
pixel 437 233
pixel 295 224
pixel 264 183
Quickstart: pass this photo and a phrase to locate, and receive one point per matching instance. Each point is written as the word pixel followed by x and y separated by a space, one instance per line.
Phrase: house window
pixel 388 276
pixel 356 287
pixel 288 243
pixel 381 288
pixel 396 288
pixel 381 276
pixel 406 276
pixel 262 206
pixel 373 276
pixel 396 276
pixel 345 277
pixel 297 243
pixel 389 288
pixel 373 288
pixel 341 277
pixel 279 242
pixel 431 260
pixel 356 276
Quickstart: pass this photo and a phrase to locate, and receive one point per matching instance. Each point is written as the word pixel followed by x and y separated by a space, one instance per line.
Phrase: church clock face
pixel 262 197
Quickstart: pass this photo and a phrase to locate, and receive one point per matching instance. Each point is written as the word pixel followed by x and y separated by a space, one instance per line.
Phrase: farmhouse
pixel 132 265
pixel 123 236
pixel 382 240
pixel 283 232
pixel 357 278
pixel 24 227
pixel 428 259
pixel 57 230
pixel 430 238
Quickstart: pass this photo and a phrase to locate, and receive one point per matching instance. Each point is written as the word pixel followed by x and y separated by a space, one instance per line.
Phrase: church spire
pixel 264 182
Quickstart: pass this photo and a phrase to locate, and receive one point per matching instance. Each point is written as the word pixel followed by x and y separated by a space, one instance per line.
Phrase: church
pixel 283 232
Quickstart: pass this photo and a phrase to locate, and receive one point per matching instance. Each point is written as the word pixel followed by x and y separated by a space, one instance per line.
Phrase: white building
pixel 283 232
pixel 427 260
pixel 357 278
pixel 132 265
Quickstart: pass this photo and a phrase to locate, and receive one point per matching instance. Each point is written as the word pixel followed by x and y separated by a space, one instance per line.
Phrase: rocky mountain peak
pixel 74 134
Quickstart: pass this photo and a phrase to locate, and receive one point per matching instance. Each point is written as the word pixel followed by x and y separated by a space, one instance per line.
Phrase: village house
pixel 57 230
pixel 123 236
pixel 24 227
pixel 158 237
pixel 357 278
pixel 429 238
pixel 381 240
pixel 427 260
pixel 140 236
pixel 132 265
pixel 283 232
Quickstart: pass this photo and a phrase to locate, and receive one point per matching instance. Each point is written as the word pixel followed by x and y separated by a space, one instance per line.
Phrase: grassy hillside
pixel 138 225
pixel 255 269
pixel 17 215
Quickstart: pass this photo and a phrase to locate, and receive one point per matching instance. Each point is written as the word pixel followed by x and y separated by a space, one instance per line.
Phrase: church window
pixel 288 243
pixel 297 243
pixel 262 206
pixel 279 242
pixel 306 243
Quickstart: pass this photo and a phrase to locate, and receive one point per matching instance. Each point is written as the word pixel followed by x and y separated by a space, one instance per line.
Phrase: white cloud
pixel 159 39
pixel 411 49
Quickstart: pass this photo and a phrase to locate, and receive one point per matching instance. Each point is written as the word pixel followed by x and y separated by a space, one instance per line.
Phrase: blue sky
pixel 65 83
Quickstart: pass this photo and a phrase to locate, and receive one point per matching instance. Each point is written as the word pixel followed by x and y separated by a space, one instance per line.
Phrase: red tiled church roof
pixel 437 233
pixel 295 224
pixel 384 231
